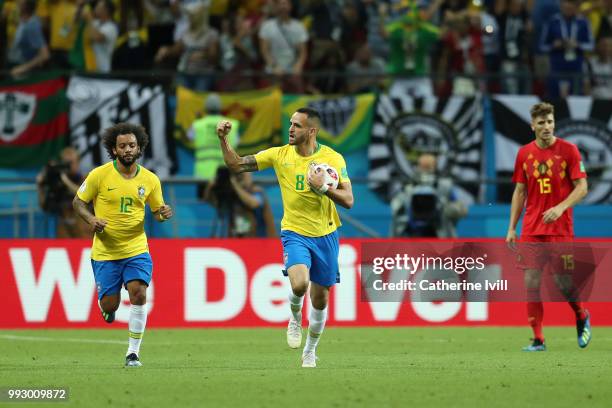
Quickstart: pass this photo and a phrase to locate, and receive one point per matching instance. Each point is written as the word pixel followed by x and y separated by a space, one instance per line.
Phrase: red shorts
pixel 552 252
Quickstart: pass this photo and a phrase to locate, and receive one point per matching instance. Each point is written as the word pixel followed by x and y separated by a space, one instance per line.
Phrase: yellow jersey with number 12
pixel 121 202
pixel 304 211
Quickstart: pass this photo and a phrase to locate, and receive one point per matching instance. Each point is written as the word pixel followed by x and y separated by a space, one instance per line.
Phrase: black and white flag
pixel 581 120
pixel 97 104
pixel 406 126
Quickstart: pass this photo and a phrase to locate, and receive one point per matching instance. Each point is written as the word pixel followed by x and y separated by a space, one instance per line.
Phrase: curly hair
pixel 109 137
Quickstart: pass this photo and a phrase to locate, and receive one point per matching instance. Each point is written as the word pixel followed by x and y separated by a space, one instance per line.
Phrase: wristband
pixel 323 189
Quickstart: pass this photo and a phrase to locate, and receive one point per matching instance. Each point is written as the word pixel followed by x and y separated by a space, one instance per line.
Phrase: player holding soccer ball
pixel 310 188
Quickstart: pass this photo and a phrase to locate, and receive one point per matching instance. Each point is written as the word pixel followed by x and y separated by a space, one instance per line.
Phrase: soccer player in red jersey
pixel 550 179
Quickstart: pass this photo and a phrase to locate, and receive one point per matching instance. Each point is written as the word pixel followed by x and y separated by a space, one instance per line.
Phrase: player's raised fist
pixel 223 128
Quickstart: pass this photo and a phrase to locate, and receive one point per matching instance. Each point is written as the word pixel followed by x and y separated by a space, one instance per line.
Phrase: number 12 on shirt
pixel 126 203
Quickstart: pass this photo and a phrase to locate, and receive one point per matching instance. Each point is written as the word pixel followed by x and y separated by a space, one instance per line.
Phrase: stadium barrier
pixel 221 283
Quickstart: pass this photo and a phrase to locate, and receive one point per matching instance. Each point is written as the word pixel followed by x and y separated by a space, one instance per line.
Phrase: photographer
pixel 427 206
pixel 242 207
pixel 57 184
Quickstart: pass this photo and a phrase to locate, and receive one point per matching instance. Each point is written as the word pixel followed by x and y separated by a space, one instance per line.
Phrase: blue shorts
pixel 319 254
pixel 111 275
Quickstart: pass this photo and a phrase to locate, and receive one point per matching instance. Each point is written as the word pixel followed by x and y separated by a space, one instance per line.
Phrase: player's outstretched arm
pixel 342 195
pixel 81 208
pixel 233 161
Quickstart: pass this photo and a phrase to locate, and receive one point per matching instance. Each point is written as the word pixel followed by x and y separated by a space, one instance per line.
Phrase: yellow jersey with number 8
pixel 121 202
pixel 304 211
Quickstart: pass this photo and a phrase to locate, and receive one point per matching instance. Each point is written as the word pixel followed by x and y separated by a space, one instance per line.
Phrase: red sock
pixel 577 308
pixel 535 315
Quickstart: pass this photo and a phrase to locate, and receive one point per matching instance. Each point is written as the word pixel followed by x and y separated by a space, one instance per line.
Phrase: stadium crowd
pixel 548 47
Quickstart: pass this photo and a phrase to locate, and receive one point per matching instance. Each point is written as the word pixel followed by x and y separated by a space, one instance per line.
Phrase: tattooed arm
pixel 233 161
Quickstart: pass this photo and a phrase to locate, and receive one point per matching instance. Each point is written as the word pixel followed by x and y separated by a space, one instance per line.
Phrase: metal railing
pixel 19 207
pixel 17 212
pixel 20 211
pixel 25 210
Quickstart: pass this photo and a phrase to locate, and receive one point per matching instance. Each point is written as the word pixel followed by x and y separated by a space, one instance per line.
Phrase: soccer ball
pixel 331 174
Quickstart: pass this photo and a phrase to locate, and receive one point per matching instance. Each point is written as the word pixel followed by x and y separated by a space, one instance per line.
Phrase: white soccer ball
pixel 331 174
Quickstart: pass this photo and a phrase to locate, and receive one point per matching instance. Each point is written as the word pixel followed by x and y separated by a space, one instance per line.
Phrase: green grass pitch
pixel 371 367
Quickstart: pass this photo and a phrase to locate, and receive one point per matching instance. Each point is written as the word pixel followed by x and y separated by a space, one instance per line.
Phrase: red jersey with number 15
pixel 548 175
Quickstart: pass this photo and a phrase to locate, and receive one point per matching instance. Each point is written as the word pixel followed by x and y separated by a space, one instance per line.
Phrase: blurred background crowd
pixel 549 48
pixel 416 170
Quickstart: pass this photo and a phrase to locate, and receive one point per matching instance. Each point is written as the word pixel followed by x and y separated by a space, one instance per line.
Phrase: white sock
pixel 136 326
pixel 295 303
pixel 315 329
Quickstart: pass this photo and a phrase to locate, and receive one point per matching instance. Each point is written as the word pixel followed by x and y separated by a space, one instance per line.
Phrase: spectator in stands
pixel 9 21
pixel 325 52
pixel 566 38
pixel 375 24
pixel 365 72
pixel 427 206
pixel 57 184
pixel 325 23
pixel 490 34
pixel 238 54
pixel 282 43
pixel 599 14
pixel 410 41
pixel 29 50
pixel 454 6
pixel 462 56
pixel 243 210
pixel 181 9
pixel 257 11
pixel 102 32
pixel 354 31
pixel 431 10
pixel 160 27
pixel 131 48
pixel 514 30
pixel 131 16
pixel 219 9
pixel 203 133
pixel 600 69
pixel 4 33
pixel 198 48
pixel 330 78
pixel 63 30
pixel 540 11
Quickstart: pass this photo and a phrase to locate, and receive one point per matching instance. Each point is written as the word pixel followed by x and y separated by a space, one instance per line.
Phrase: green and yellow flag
pixel 346 120
pixel 258 112
pixel 81 56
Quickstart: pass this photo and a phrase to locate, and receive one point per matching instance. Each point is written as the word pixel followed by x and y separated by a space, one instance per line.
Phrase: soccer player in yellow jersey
pixel 310 220
pixel 120 254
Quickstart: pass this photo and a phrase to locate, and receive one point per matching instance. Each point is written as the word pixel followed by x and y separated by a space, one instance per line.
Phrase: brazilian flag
pixel 346 121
